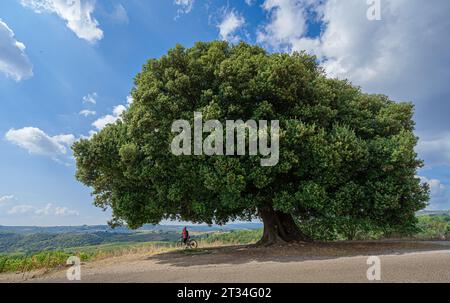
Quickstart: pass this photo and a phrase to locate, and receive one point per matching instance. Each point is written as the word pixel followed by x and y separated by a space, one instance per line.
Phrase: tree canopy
pixel 347 158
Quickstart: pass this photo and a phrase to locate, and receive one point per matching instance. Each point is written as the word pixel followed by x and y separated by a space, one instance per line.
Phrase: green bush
pixel 234 237
pixel 433 227
pixel 42 260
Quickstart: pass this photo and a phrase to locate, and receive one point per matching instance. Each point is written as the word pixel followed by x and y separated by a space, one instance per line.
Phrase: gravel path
pixel 318 262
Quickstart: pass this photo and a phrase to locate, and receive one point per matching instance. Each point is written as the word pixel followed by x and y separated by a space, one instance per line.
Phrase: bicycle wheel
pixel 179 243
pixel 193 244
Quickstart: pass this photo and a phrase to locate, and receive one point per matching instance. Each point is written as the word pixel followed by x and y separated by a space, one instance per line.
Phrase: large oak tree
pixel 346 158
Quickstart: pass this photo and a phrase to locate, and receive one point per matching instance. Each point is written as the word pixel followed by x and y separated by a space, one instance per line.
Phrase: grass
pixel 57 259
pixel 21 263
pixel 237 237
pixel 119 248
pixel 49 260
pixel 431 227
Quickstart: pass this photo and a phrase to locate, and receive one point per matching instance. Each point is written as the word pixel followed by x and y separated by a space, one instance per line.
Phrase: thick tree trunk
pixel 279 228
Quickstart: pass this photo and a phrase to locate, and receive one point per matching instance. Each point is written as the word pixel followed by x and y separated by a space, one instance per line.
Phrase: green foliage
pixel 343 228
pixel 22 263
pixel 233 237
pixel 429 227
pixel 434 227
pixel 347 158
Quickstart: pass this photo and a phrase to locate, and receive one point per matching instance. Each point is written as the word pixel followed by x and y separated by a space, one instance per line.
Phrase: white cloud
pixel 249 2
pixel 64 211
pixel 185 5
pixel 435 151
pixel 21 209
pixel 48 210
pixel 6 199
pixel 118 110
pixel 91 134
pixel 112 118
pixel 103 121
pixel 385 56
pixel 230 23
pixel 76 13
pixel 35 141
pixel 129 100
pixel 14 62
pixel 90 98
pixel 44 211
pixel 86 112
pixel 436 187
pixel 438 192
pixel 287 22
pixel 119 14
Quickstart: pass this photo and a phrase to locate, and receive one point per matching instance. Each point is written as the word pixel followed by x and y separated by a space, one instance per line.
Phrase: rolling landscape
pixel 26 248
pixel 31 239
pixel 26 240
pixel 230 141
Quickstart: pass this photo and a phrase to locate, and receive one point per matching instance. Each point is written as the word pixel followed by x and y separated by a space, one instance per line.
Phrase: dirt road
pixel 336 262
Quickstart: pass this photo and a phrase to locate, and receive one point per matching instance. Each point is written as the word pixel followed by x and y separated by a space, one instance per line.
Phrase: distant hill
pixel 106 228
pixel 36 242
pixel 434 213
pixel 61 229
pixel 31 239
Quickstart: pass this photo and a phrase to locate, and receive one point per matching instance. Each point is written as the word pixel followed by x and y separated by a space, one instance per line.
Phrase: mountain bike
pixel 190 243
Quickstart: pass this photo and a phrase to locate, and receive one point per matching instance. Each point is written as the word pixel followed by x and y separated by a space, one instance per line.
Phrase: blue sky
pixel 67 67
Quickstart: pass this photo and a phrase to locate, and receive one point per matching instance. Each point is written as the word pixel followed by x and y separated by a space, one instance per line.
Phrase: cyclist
pixel 185 235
